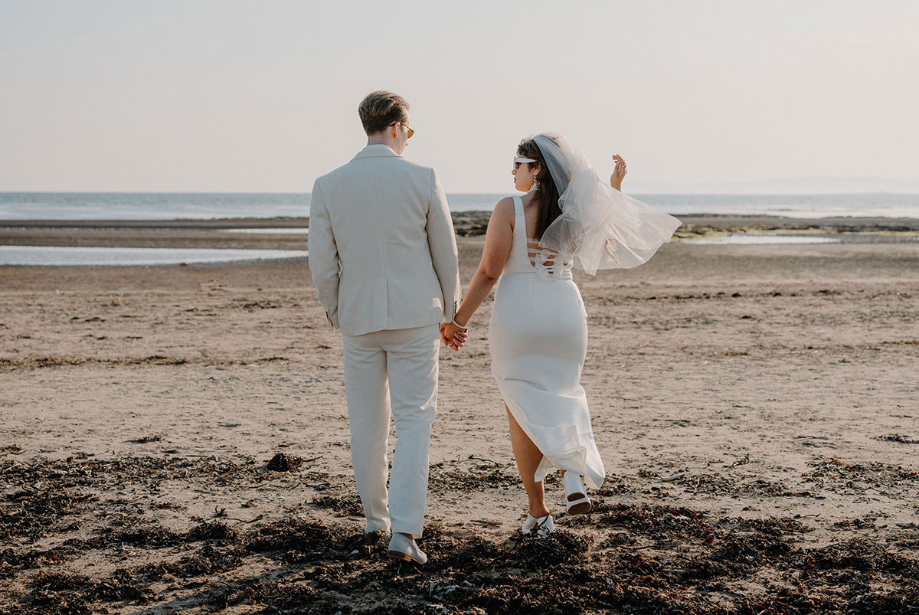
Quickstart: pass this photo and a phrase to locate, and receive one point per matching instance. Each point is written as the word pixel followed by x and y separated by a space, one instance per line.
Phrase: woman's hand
pixel 452 335
pixel 615 180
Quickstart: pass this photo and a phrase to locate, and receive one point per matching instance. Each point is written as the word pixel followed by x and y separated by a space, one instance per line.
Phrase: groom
pixel 383 258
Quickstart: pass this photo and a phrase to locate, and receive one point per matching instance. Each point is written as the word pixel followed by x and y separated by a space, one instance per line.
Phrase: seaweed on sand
pixel 635 557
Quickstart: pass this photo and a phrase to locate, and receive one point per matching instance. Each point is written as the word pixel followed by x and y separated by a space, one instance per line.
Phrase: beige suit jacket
pixel 381 245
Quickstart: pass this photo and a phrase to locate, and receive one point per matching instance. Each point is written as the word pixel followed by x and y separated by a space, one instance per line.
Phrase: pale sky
pixel 231 96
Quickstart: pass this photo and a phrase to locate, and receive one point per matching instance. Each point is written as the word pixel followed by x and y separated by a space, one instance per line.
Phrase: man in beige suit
pixel 383 258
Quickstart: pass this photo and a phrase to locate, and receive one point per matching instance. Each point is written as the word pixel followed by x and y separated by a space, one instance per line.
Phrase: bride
pixel 567 219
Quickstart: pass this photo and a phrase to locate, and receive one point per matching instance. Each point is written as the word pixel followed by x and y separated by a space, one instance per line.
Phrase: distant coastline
pixel 153 229
pixel 206 233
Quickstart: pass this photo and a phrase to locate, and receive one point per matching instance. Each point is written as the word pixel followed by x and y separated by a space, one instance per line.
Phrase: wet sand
pixel 175 439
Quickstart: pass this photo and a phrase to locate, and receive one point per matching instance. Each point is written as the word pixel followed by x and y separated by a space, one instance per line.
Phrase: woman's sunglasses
pixel 518 160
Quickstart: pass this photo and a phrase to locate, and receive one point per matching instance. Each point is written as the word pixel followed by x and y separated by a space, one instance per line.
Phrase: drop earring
pixel 534 187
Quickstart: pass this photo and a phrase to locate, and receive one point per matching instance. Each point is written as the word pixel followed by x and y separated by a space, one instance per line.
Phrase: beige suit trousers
pixel 392 372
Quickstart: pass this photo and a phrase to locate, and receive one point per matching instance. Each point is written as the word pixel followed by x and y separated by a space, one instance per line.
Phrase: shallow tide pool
pixel 85 257
pixel 743 239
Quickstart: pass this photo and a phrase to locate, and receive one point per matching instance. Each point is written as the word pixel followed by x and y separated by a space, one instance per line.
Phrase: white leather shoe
pixel 577 501
pixel 403 547
pixel 543 526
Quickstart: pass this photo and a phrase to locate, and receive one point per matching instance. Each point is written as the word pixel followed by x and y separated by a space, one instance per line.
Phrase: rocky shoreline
pixel 216 233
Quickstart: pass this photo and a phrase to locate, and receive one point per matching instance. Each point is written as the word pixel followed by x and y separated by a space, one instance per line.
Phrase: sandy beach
pixel 175 438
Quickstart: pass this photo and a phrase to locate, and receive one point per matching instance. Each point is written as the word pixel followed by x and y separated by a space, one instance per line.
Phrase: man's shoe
pixel 403 548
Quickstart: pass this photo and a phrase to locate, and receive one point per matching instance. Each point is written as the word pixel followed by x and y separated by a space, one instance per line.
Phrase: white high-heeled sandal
pixel 577 502
pixel 543 526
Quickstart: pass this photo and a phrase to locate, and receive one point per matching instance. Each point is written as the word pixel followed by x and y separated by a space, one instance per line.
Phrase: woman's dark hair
pixel 381 109
pixel 546 194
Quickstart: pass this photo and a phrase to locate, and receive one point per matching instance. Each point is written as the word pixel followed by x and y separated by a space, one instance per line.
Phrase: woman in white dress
pixel 538 329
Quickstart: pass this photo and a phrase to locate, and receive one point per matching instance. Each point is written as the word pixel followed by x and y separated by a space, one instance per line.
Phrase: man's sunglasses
pixel 409 128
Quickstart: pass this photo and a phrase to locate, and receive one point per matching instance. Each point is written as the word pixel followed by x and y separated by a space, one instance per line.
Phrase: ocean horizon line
pixel 464 193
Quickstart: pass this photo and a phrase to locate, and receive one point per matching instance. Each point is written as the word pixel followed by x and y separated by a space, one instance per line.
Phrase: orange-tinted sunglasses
pixel 410 131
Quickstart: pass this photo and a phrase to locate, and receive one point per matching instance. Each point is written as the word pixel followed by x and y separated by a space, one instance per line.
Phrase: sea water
pixel 202 206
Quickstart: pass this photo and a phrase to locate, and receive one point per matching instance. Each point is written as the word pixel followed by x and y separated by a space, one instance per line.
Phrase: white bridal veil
pixel 599 227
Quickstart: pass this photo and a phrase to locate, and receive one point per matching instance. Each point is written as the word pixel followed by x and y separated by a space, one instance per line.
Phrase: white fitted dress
pixel 538 341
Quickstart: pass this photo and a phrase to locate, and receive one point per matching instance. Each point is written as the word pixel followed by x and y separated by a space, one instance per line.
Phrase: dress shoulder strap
pixel 519 217
pixel 518 261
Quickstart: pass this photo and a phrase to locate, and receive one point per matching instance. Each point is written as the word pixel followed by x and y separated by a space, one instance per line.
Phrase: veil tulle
pixel 599 227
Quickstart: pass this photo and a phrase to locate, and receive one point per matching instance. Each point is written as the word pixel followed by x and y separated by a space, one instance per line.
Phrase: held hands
pixel 452 335
pixel 615 180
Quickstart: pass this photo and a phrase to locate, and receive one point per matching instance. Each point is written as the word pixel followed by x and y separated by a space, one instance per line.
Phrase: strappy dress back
pixel 526 255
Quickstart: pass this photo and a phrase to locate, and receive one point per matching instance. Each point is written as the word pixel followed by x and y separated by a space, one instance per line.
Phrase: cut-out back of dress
pixel 526 255
pixel 544 260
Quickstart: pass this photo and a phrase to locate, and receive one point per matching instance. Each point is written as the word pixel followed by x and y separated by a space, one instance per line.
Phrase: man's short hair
pixel 380 109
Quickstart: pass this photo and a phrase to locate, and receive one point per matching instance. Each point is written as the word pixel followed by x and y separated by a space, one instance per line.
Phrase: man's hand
pixel 452 335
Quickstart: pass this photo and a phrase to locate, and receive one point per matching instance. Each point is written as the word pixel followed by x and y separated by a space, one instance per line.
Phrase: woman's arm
pixel 498 239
